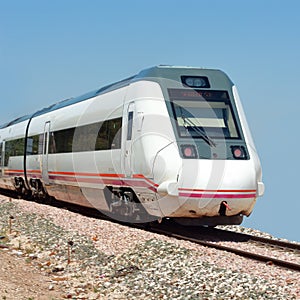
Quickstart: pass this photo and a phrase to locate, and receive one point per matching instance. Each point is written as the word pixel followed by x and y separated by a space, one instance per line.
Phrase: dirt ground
pixel 19 280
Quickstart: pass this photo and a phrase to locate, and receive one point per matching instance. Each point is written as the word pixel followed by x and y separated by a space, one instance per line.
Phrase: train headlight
pixel 195 81
pixel 239 152
pixel 189 151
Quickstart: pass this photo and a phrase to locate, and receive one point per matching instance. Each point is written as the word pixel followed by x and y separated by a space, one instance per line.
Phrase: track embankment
pixel 88 258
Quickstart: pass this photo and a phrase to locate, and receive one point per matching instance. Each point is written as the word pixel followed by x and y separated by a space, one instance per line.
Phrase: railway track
pixel 218 239
pixel 215 238
pixel 211 237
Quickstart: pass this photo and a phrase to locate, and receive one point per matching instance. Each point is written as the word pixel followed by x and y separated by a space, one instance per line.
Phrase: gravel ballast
pixel 88 258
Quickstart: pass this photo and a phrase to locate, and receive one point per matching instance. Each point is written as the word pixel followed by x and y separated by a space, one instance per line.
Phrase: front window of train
pixel 203 114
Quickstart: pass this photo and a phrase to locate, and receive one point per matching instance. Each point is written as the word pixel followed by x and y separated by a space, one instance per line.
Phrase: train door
pixel 45 174
pixel 128 139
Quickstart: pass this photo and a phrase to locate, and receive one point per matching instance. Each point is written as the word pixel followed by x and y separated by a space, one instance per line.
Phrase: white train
pixel 167 142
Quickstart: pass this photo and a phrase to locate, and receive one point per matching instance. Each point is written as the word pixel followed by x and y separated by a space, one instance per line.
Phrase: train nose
pixel 216 188
pixel 217 176
pixel 210 188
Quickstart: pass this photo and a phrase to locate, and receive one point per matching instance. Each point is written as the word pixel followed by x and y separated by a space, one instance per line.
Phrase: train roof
pixel 153 73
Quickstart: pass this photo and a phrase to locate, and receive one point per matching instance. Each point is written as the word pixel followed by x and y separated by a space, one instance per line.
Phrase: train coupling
pixel 223 207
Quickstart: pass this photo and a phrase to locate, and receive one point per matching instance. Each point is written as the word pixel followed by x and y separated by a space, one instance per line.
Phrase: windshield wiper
pixel 205 137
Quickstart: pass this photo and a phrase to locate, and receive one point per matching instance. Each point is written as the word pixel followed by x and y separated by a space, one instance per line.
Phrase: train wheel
pixel 124 205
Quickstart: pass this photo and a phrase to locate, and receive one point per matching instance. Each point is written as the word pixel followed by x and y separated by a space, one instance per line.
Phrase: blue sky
pixel 51 50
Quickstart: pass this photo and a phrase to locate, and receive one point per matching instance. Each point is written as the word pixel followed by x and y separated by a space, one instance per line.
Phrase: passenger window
pixel 40 143
pixel 115 130
pixel 29 148
pixel 13 148
pixel 46 142
pixel 92 137
pixel 102 138
pixel 61 141
pixel 129 126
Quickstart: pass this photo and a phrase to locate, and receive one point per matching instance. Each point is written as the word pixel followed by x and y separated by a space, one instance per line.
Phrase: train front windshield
pixel 203 113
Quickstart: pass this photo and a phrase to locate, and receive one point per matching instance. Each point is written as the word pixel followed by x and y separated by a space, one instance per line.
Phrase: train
pixel 169 142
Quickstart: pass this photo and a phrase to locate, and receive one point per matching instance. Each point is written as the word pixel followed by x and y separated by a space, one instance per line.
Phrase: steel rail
pixel 264 240
pixel 247 254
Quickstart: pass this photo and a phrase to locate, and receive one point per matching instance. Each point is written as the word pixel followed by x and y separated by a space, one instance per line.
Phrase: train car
pixel 169 142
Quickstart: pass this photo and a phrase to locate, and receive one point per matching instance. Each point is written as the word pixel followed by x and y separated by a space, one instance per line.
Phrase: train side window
pixel 102 142
pixel 85 137
pixel 35 145
pixel 40 143
pixel 96 136
pixel 114 131
pixel 29 146
pixel 13 148
pixel 6 154
pixel 129 125
pixel 46 142
pixel 63 141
